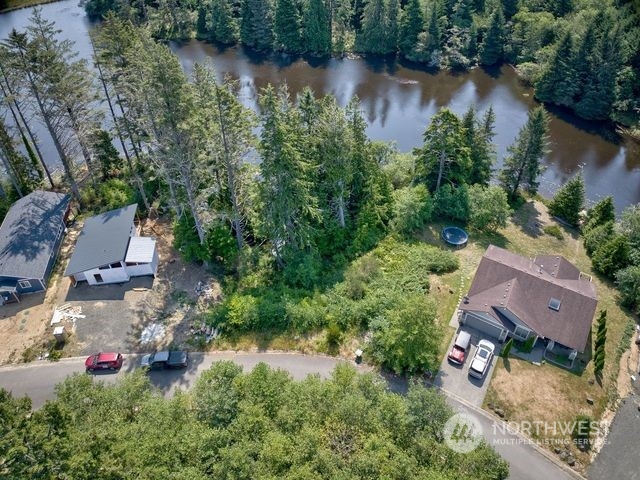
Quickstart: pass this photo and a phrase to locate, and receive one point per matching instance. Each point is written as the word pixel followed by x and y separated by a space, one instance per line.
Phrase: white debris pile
pixel 152 333
pixel 67 312
pixel 204 290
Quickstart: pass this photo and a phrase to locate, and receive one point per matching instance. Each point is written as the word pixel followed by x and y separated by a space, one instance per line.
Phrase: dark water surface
pixel 398 102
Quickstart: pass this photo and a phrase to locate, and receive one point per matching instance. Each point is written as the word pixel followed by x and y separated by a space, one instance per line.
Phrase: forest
pixel 578 54
pixel 234 425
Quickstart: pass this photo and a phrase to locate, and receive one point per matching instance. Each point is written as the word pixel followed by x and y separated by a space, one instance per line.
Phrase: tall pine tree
pixel 411 26
pixel 558 83
pixel 492 45
pixel 287 204
pixel 522 166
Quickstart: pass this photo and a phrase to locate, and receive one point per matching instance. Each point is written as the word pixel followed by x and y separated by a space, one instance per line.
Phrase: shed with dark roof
pixel 545 296
pixel 30 238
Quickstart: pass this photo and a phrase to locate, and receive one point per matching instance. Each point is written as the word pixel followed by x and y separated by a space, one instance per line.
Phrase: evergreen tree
pixel 597 236
pixel 444 156
pixel 462 14
pixel 334 146
pixel 509 7
pixel 60 87
pixel 558 83
pixel 493 42
pixel 600 343
pixel 286 201
pixel 628 282
pixel 506 349
pixel 391 25
pixel 340 22
pixel 568 202
pixel 288 26
pixel 372 38
pixel 478 138
pixel 411 25
pixel 316 28
pixel 105 153
pixel 611 256
pixel 222 25
pixel 602 212
pixel 522 166
pixel 434 32
pixel 598 88
pixel 256 26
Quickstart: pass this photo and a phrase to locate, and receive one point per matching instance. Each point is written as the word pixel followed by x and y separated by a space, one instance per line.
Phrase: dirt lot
pixel 115 316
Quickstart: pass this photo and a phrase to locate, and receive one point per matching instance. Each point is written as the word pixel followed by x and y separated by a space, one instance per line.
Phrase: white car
pixel 482 359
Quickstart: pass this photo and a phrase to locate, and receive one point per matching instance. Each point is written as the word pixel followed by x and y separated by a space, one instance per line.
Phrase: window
pixel 116 265
pixel 131 264
pixel 24 283
pixel 554 304
pixel 104 267
pixel 98 277
pixel 521 333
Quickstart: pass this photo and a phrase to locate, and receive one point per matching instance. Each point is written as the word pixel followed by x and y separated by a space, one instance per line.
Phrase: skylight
pixel 554 304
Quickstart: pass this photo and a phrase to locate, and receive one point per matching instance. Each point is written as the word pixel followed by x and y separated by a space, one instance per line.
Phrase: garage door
pixel 484 326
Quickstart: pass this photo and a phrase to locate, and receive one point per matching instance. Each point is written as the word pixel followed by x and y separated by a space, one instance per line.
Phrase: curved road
pixel 38 379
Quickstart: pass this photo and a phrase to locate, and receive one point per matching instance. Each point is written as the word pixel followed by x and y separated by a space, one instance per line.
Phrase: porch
pixel 560 355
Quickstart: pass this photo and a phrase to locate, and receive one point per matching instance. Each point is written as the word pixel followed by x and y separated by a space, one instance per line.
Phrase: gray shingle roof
pixel 104 239
pixel 524 286
pixel 28 234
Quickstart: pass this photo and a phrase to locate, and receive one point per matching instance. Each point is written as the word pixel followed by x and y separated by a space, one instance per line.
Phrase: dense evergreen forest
pixel 578 54
pixel 232 425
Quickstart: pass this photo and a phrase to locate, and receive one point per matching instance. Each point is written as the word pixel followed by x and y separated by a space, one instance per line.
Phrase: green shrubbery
pixel 109 195
pixel 383 291
pixel 554 231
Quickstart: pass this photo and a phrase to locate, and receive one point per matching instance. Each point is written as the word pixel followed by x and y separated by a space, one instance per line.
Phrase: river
pixel 398 102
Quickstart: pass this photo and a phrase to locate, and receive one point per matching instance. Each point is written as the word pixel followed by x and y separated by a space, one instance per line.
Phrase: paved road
pixel 38 379
pixel 618 458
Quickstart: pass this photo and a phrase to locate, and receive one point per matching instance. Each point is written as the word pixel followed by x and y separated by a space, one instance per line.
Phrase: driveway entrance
pixel 455 379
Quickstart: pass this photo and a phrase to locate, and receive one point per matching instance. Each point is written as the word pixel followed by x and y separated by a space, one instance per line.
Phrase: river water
pixel 398 102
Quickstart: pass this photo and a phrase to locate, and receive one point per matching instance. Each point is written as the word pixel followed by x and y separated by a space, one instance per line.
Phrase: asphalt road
pixel 38 379
pixel 618 459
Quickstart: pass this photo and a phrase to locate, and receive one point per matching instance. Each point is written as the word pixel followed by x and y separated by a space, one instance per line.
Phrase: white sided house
pixel 109 250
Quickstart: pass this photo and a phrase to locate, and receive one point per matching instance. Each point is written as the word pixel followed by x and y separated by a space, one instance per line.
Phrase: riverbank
pixel 10 5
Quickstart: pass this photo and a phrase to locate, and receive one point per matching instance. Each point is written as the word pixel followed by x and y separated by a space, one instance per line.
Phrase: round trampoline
pixel 455 236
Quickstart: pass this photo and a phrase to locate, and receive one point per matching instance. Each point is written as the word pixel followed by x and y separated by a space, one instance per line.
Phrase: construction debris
pixel 152 333
pixel 67 312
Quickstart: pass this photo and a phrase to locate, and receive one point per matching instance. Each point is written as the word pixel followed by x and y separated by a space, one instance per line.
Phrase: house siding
pixel 110 275
pixel 36 285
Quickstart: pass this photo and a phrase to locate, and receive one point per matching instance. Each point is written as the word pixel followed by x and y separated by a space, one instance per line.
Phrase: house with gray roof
pixel 545 296
pixel 30 238
pixel 109 250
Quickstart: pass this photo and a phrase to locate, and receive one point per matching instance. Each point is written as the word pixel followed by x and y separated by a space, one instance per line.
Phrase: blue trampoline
pixel 455 236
